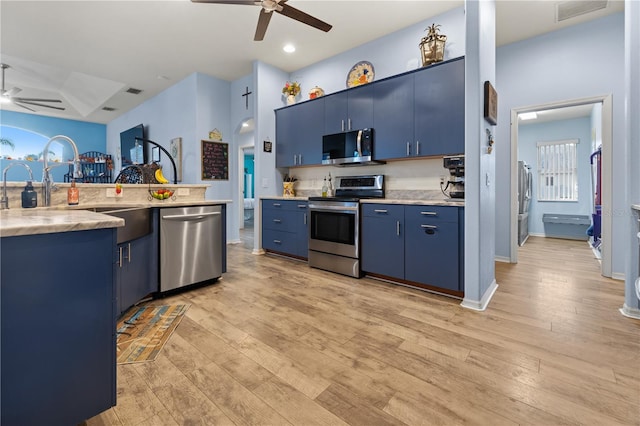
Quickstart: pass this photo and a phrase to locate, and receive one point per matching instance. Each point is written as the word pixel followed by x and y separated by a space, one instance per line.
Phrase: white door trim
pixel 607 166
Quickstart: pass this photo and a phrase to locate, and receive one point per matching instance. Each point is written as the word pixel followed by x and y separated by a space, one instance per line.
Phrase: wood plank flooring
pixel 278 343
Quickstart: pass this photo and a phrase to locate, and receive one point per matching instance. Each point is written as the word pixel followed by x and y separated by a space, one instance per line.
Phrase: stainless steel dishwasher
pixel 190 246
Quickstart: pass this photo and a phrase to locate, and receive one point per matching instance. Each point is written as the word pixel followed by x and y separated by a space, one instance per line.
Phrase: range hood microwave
pixel 349 148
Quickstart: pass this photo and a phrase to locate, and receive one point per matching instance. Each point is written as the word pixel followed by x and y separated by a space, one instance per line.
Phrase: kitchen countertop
pixel 48 220
pixel 635 206
pixel 429 202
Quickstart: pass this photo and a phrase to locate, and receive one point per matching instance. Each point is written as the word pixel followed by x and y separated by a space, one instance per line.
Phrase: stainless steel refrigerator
pixel 524 200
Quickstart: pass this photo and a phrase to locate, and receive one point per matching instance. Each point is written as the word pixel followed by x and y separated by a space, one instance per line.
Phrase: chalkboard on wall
pixel 215 160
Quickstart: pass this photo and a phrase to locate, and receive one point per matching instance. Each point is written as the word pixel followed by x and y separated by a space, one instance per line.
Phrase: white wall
pixel 582 61
pixel 528 137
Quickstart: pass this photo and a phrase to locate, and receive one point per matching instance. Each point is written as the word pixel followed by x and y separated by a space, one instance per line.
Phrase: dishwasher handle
pixel 187 217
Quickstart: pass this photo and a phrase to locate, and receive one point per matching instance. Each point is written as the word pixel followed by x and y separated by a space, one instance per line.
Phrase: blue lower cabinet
pixel 383 239
pixel 417 245
pixel 285 228
pixel 58 327
pixel 134 272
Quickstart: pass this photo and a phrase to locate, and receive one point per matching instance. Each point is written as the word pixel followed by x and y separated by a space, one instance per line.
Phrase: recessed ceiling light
pixel 289 48
pixel 528 115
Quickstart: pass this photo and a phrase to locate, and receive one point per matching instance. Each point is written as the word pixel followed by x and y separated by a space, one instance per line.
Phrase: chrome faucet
pixel 4 203
pixel 47 180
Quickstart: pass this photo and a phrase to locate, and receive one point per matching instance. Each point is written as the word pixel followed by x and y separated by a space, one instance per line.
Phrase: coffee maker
pixel 455 183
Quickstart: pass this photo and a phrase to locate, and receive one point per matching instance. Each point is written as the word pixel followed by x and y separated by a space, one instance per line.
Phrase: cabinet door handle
pixel 299 159
pixel 429 226
pixel 349 124
pixel 295 160
pixel 277 220
pixel 276 204
pixel 417 147
pixel 302 206
pixel 277 241
pixel 408 149
pixel 380 211
pixel 342 125
pixel 398 228
pixel 120 257
pixel 305 219
pixel 429 213
pixel 129 252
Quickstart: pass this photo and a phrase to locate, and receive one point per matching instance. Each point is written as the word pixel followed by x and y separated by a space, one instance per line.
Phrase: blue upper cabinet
pixel 393 117
pixel 439 109
pixel 299 131
pixel 349 110
pixel 420 114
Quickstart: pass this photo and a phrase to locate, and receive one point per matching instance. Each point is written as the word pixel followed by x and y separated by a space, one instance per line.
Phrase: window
pixel 557 171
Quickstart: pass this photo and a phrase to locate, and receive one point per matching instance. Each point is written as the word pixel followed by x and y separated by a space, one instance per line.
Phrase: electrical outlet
pixel 442 179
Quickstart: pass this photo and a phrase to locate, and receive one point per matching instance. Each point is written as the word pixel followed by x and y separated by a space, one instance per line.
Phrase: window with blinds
pixel 557 171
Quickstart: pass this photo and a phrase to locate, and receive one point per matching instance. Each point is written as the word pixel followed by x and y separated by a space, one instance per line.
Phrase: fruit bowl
pixel 161 194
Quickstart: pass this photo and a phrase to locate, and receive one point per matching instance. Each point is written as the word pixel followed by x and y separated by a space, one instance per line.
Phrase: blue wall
pixel 87 136
pixel 528 136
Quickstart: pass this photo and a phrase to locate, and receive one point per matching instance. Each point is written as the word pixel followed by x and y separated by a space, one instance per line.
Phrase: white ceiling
pixel 87 53
pixel 558 114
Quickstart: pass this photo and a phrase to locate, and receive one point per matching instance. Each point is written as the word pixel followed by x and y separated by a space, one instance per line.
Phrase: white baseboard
pixel 238 241
pixel 484 302
pixel 502 259
pixel 618 276
pixel 630 312
pixel 258 252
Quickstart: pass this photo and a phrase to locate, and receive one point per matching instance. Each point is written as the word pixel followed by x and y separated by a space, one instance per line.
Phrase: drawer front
pixel 271 204
pixel 279 220
pixel 281 241
pixel 431 214
pixel 394 211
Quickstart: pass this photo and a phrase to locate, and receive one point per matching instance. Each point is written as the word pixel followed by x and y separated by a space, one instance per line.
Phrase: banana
pixel 160 177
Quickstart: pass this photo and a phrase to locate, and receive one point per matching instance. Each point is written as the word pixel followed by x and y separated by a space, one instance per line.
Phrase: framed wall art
pixel 175 148
pixel 490 103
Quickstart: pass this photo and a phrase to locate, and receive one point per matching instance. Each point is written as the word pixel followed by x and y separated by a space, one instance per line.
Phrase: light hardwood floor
pixel 277 343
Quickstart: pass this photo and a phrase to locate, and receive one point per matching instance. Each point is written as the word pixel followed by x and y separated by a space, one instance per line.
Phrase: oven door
pixel 334 228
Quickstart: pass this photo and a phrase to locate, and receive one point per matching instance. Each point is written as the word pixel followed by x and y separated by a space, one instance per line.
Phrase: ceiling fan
pixel 9 96
pixel 278 6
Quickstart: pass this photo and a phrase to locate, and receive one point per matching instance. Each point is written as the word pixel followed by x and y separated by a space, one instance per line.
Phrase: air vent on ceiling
pixel 133 91
pixel 570 9
pixel 108 109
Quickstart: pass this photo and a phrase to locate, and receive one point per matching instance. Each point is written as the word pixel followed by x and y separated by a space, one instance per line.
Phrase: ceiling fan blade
pixel 23 106
pixel 11 92
pixel 37 104
pixel 37 100
pixel 263 23
pixel 300 16
pixel 249 2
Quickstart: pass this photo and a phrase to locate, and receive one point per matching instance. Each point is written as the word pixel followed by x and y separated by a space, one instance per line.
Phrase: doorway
pixel 246 186
pixel 599 110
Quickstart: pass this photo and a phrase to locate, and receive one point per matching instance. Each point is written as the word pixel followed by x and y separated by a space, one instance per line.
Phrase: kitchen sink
pixel 137 221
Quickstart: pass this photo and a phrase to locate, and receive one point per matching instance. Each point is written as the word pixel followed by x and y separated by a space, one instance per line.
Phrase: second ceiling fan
pixel 270 6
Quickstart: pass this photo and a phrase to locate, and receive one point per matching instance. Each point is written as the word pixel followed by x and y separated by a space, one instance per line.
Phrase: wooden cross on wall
pixel 245 95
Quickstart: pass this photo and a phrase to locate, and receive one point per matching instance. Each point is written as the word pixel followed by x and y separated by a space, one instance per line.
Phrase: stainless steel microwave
pixel 354 147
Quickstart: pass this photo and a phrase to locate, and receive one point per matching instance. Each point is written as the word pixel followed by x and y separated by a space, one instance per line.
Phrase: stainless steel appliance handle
pixel 344 209
pixel 184 217
pixel 429 226
pixel 429 213
pixel 359 143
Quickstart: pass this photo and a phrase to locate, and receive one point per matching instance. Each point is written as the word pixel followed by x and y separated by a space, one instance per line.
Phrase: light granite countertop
pixel 49 220
pixel 415 202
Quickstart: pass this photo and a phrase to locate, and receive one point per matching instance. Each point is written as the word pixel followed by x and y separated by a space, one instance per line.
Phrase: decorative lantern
pixel 432 46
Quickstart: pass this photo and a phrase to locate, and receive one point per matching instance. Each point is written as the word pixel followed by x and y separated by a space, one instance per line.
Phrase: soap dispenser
pixel 73 194
pixel 29 196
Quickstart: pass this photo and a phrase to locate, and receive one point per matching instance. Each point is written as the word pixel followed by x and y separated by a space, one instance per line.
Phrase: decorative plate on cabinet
pixel 360 73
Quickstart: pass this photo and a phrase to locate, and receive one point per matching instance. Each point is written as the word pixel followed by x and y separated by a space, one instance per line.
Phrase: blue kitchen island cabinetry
pixel 348 110
pixel 299 130
pixel 58 327
pixel 417 245
pixel 285 227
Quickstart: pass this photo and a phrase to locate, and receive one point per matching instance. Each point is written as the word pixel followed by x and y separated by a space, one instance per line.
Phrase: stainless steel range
pixel 334 227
